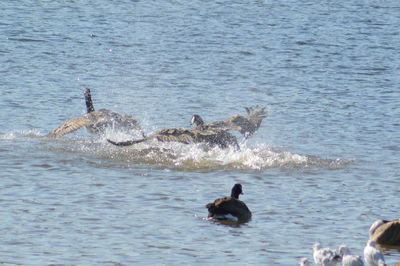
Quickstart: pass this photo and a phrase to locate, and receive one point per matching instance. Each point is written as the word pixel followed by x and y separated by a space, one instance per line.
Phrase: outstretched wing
pixel 215 136
pixel 107 117
pixel 244 124
pixel 70 126
pixel 255 115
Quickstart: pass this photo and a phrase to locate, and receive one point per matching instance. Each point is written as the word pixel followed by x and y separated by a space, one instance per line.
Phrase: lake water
pixel 322 167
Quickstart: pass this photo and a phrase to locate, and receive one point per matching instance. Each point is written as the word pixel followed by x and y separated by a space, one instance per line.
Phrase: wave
pixel 23 134
pixel 180 156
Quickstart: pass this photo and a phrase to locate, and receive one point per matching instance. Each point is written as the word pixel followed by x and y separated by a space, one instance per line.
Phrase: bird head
pixel 236 191
pixel 196 120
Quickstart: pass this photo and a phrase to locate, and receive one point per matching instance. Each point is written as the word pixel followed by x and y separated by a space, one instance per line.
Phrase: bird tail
pixel 88 100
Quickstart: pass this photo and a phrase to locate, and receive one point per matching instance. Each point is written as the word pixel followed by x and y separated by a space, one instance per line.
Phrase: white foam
pixel 175 155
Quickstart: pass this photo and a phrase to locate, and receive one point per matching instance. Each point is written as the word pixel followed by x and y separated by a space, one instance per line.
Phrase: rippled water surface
pixel 322 167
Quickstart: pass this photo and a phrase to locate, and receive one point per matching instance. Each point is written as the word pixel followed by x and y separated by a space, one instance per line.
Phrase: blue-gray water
pixel 322 167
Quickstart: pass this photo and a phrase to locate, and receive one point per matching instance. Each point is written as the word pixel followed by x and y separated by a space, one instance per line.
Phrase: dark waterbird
pixel 210 136
pixel 385 232
pixel 96 121
pixel 230 208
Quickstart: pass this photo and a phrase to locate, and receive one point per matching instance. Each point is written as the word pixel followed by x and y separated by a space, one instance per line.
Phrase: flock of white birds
pixel 324 256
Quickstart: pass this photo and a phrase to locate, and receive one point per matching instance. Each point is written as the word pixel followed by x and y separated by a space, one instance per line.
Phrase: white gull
pixel 348 259
pixel 373 256
pixel 325 256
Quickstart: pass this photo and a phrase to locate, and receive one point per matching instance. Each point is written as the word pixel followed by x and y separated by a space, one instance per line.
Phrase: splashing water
pixel 179 156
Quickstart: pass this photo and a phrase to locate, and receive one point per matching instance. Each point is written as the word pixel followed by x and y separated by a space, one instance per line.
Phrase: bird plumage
pixel 325 256
pixel 373 256
pixel 223 208
pixel 348 259
pixel 210 136
pixel 96 121
pixel 385 232
pixel 246 125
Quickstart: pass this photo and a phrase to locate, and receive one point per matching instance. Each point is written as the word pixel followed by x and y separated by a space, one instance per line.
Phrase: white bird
pixel 325 256
pixel 375 226
pixel 304 262
pixel 348 259
pixel 373 256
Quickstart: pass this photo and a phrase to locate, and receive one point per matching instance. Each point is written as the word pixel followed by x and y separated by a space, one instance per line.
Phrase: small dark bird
pixel 230 208
pixel 96 121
